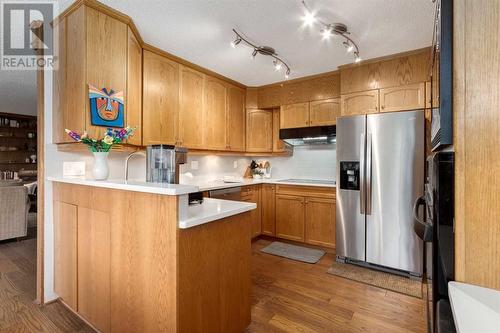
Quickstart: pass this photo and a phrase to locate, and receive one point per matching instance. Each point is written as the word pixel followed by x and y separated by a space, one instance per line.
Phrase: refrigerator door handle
pixel 362 174
pixel 368 186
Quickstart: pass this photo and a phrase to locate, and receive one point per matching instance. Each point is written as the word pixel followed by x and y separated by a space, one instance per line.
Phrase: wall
pixel 314 162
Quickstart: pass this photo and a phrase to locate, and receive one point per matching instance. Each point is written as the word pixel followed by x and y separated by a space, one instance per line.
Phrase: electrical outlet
pixel 194 165
pixel 235 164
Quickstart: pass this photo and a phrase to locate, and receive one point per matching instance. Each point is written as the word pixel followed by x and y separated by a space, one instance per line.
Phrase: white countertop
pixel 212 210
pixel 219 184
pixel 475 309
pixel 131 185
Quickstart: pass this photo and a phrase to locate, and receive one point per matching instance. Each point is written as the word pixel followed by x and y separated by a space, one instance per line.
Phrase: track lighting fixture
pixel 264 50
pixel 330 29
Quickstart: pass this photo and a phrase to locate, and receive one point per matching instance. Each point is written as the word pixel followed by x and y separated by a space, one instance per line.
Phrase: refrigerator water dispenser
pixel 349 176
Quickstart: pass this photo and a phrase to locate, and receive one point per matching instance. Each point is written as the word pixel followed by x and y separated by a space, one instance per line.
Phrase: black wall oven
pixel 436 228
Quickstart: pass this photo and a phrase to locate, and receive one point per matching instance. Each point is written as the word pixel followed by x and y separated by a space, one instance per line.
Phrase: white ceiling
pixel 200 31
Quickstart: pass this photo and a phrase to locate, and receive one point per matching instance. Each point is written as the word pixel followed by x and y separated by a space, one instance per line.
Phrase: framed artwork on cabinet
pixel 106 107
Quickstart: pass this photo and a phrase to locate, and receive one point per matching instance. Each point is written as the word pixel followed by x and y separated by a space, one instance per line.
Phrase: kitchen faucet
pixel 138 152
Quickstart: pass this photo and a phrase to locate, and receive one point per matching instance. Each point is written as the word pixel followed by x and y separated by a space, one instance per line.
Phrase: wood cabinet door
pixel 70 90
pixel 65 251
pixel 236 118
pixel 134 89
pixel 94 262
pixel 402 98
pixel 253 194
pixel 290 217
pixel 294 115
pixel 214 114
pixel 106 59
pixel 278 145
pixel 268 204
pixel 320 221
pixel 270 96
pixel 191 85
pixel 324 112
pixel 160 99
pixel 259 130
pixel 359 103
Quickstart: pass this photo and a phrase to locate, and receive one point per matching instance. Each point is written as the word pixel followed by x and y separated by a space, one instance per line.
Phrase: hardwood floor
pixel 287 296
pixel 18 313
pixel 290 296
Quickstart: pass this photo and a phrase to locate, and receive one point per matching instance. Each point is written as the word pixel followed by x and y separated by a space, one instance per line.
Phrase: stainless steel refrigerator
pixel 380 174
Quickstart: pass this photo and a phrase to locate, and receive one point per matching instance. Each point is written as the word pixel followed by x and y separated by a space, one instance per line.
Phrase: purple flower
pixel 75 136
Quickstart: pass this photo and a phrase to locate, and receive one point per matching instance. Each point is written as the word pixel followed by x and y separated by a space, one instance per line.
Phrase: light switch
pixel 235 164
pixel 194 165
pixel 73 169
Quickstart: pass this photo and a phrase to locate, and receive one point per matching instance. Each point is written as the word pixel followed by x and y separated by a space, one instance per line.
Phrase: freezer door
pixel 350 222
pixel 395 179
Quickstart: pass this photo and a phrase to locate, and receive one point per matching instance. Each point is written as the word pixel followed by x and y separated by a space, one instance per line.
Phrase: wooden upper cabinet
pixel 251 100
pixel 270 96
pixel 134 88
pixel 290 217
pixel 278 145
pixel 105 68
pixel 324 87
pixel 214 114
pixel 294 115
pixel 402 98
pixel 160 99
pixel 191 85
pixel 268 205
pixel 295 92
pixel 69 86
pixel 259 131
pixel 320 221
pixel 236 118
pixel 324 112
pixel 364 102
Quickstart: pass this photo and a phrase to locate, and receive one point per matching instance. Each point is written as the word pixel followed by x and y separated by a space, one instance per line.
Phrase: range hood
pixel 319 135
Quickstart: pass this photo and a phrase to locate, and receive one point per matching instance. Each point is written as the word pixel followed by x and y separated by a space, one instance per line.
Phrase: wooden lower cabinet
pixel 320 221
pixel 94 274
pixel 268 204
pixel 290 217
pixel 65 224
pixel 253 194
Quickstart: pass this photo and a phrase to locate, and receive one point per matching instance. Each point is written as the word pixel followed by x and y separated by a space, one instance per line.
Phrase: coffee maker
pixel 162 163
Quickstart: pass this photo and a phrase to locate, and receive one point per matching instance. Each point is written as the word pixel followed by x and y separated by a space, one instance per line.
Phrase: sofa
pixel 14 207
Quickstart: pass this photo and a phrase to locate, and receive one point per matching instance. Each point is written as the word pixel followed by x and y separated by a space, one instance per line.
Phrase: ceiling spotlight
pixel 278 62
pixel 330 29
pixel 327 33
pixel 309 18
pixel 277 65
pixel 235 42
pixel 356 57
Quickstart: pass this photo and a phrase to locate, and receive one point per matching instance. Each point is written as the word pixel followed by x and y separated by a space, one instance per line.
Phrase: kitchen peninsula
pixel 135 257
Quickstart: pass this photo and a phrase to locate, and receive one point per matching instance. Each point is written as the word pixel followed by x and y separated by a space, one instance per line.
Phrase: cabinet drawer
pixel 307 191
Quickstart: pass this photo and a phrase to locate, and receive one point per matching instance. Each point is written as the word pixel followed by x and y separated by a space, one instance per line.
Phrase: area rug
pixel 294 252
pixel 375 278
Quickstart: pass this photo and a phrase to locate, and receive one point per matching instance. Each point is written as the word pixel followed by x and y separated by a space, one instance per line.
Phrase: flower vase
pixel 100 168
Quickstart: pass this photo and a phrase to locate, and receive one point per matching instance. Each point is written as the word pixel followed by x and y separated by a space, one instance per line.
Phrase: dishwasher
pixel 232 193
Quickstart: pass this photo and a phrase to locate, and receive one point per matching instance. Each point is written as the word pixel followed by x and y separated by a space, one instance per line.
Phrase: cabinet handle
pixel 382 107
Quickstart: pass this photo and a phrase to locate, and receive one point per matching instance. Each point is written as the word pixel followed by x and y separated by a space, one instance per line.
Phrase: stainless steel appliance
pixel 232 193
pixel 308 135
pixel 380 174
pixel 162 163
pixel 435 227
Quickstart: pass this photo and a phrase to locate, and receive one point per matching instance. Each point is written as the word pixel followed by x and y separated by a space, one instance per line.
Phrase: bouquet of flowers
pixel 111 137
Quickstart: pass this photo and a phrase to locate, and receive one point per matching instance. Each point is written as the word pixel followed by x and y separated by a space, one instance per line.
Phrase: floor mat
pixel 294 252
